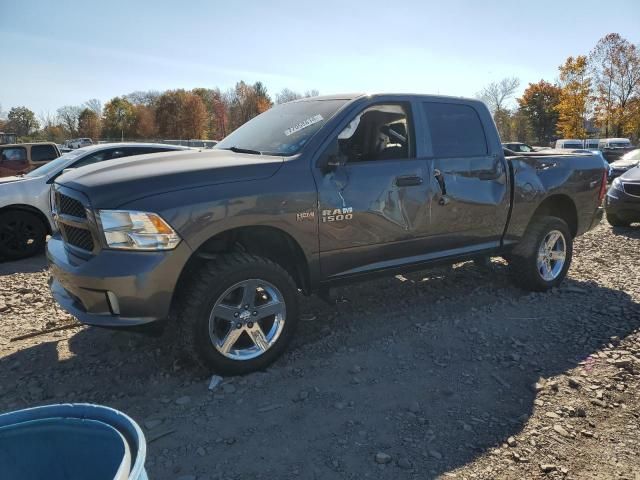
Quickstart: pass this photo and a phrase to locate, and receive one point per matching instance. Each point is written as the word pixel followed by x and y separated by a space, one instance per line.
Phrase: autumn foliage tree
pixel 193 117
pixel 144 124
pixel 575 87
pixel 199 113
pixel 181 115
pixel 539 104
pixel 615 64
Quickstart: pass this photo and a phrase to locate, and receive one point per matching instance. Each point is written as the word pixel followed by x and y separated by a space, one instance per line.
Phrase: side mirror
pixel 67 170
pixel 332 158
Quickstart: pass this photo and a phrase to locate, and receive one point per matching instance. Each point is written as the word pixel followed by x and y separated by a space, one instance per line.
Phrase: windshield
pixel 54 165
pixel 283 129
pixel 619 144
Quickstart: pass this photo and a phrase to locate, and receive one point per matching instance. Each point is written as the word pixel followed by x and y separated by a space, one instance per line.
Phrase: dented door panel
pixel 365 205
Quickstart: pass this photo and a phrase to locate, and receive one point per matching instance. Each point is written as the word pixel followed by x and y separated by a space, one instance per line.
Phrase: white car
pixel 80 142
pixel 25 204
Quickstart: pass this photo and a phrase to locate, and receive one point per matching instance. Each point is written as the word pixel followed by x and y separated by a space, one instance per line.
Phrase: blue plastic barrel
pixel 71 442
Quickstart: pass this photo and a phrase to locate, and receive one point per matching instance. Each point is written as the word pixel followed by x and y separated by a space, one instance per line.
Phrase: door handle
pixel 408 181
pixel 489 175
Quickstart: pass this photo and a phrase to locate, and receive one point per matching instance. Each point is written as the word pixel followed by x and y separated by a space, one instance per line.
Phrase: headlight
pixel 617 185
pixel 130 230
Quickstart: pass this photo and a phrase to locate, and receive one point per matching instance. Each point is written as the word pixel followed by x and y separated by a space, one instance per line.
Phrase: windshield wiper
pixel 243 150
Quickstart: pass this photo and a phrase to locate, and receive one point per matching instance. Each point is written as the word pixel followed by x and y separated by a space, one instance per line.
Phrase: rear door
pixel 470 190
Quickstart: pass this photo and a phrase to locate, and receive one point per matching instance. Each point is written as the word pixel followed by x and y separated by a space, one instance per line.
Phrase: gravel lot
pixel 448 373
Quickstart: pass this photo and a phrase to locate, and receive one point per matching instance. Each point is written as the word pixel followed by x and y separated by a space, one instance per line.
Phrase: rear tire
pixel 616 221
pixel 22 234
pixel 239 313
pixel 542 258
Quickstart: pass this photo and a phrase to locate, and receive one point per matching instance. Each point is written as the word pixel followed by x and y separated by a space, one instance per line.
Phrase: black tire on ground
pixel 616 221
pixel 204 288
pixel 22 234
pixel 524 257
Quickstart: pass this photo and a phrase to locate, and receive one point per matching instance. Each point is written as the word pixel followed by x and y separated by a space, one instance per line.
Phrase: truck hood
pixel 113 183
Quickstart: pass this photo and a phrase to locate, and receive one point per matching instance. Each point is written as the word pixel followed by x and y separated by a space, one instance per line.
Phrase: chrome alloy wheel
pixel 552 255
pixel 247 319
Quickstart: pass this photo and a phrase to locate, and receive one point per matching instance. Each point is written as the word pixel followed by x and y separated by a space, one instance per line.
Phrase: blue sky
pixel 58 53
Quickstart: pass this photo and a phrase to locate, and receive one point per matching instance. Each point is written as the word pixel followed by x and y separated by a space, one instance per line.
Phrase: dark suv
pixel 306 195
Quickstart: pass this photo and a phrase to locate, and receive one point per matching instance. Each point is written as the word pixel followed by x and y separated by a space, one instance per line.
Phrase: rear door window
pixel 14 155
pixel 43 153
pixel 456 130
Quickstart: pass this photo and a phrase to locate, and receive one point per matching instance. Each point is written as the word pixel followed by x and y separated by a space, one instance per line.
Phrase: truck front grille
pixel 70 206
pixel 632 189
pixel 78 237
pixel 74 217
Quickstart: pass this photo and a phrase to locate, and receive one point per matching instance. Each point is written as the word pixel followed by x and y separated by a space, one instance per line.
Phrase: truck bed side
pixel 567 186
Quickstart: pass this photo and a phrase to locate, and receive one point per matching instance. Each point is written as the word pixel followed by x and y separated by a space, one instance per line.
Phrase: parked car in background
pixel 627 162
pixel 569 143
pixel 25 205
pixel 80 142
pixel 518 147
pixel 64 148
pixel 8 138
pixel 591 143
pixel 307 195
pixel 614 148
pixel 21 158
pixel 623 199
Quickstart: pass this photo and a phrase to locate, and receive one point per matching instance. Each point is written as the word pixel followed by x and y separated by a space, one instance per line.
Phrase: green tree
pixel 89 124
pixel 22 121
pixel 539 104
pixel 118 118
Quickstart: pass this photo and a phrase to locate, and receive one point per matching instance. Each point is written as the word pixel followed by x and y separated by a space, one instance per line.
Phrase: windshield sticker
pixel 304 124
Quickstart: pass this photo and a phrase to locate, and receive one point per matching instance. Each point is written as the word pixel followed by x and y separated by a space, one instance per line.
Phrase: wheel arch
pixel 561 206
pixel 265 241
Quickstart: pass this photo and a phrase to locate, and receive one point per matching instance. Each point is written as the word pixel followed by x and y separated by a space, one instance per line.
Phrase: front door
pixel 373 209
pixel 470 190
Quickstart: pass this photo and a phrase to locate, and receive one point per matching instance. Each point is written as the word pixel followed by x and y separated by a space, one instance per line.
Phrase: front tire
pixel 22 234
pixel 542 258
pixel 240 312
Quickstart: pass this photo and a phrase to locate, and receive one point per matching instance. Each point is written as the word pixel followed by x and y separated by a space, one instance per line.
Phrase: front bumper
pixel 115 288
pixel 623 205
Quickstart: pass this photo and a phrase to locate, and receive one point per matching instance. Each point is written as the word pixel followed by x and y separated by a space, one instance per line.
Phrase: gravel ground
pixel 448 373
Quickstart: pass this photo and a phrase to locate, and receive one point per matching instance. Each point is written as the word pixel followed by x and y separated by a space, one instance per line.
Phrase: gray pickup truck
pixel 309 194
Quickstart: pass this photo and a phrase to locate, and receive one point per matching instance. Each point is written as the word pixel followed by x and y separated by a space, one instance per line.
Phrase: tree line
pixel 200 113
pixel 595 95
